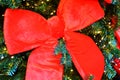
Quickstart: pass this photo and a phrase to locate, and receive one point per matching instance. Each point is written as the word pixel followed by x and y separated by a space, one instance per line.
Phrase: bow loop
pixel 78 14
pixel 24 30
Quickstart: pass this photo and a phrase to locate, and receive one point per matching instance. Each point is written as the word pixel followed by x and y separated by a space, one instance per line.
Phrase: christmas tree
pixel 104 32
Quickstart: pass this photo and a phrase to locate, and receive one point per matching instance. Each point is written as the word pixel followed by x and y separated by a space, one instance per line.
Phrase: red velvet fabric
pixel 85 54
pixel 43 64
pixel 26 30
pixel 78 14
pixel 57 26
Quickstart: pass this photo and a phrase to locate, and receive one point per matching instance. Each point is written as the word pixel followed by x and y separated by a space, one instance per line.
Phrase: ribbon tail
pixel 86 56
pixel 43 64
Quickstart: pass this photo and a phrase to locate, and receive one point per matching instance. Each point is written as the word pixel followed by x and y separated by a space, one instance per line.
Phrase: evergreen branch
pixel 11 3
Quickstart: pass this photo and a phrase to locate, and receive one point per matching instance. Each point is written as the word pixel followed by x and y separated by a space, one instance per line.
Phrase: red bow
pixel 25 30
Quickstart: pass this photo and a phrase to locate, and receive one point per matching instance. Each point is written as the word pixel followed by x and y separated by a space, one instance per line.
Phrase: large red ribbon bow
pixel 25 30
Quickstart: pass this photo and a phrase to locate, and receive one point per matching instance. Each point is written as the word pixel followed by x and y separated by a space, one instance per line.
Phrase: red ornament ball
pixel 108 1
pixel 117 65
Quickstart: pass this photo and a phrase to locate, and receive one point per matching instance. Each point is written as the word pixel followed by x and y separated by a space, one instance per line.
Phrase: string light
pixel 2 57
pixel 102 38
pixel 4 49
pixel 12 57
pixel 27 4
pixel 51 13
pixel 42 2
pixel 103 46
pixel 35 4
pixel 47 0
pixel 71 70
pixel 3 15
